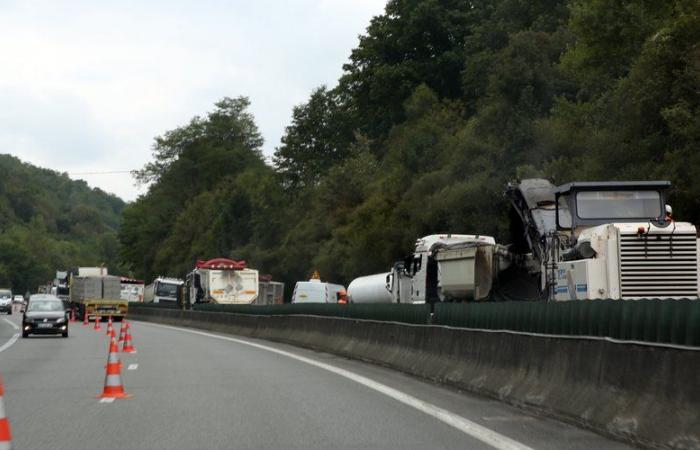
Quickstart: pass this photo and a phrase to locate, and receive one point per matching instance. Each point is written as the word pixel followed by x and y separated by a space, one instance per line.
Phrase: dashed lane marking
pixel 466 426
pixel 132 367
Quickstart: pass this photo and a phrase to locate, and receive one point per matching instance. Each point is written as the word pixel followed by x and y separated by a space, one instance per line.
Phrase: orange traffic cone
pixel 72 315
pixel 113 379
pixel 110 328
pixel 5 436
pixel 128 347
pixel 122 330
pixel 97 323
pixel 86 321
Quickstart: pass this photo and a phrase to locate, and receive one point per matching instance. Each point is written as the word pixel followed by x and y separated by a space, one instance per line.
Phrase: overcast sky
pixel 85 86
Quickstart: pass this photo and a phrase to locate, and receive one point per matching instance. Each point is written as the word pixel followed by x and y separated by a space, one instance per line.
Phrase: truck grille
pixel 659 265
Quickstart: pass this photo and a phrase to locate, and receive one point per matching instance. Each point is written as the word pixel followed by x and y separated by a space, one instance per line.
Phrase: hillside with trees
pixel 440 105
pixel 48 221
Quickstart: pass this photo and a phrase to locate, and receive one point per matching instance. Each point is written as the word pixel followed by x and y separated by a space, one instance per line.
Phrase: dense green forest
pixel 48 221
pixel 441 103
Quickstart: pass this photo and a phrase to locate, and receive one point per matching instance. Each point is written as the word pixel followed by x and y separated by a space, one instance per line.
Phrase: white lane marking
pixel 14 325
pixel 13 339
pixel 107 400
pixel 132 367
pixel 462 424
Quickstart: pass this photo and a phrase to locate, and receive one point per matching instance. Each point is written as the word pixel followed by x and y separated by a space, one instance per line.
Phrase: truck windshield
pixel 166 290
pixel 618 205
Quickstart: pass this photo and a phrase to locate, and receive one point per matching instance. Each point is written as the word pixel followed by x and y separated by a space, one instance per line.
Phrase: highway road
pixel 196 390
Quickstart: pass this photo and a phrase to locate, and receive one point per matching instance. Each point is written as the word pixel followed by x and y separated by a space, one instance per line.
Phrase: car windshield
pixel 166 290
pixel 5 294
pixel 45 305
pixel 618 205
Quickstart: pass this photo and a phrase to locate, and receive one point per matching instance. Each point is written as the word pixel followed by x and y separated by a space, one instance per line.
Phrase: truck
pixel 442 267
pixel 162 290
pixel 224 281
pixel 269 292
pixel 132 290
pixel 580 240
pixel 603 240
pixel 94 293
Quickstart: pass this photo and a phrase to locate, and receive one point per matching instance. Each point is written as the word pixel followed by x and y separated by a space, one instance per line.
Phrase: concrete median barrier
pixel 642 393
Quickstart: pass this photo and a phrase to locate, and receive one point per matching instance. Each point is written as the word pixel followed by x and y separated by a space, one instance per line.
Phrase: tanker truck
pixel 443 267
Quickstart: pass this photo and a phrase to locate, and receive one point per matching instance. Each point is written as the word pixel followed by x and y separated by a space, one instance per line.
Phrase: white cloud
pixel 86 85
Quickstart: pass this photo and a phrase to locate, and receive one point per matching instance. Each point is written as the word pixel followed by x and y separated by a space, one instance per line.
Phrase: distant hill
pixel 48 221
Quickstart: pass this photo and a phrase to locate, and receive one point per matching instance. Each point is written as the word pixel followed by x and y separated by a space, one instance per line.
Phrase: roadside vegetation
pixel 440 105
pixel 49 222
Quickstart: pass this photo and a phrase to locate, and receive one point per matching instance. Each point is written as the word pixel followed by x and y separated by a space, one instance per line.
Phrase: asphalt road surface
pixel 196 390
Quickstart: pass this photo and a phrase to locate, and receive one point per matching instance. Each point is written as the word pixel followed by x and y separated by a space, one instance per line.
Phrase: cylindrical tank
pixel 370 289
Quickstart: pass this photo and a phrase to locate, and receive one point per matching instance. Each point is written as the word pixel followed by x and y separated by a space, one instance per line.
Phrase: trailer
pixel 93 293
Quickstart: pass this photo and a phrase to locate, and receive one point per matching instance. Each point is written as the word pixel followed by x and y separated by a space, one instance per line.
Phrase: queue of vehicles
pixel 583 240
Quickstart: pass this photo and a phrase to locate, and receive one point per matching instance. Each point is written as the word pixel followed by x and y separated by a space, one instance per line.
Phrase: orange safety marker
pixel 97 323
pixel 128 347
pixel 122 330
pixel 110 328
pixel 113 378
pixel 86 320
pixel 72 315
pixel 5 435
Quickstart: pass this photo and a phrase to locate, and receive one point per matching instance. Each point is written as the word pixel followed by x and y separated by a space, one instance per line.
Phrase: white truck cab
pixel 162 290
pixel 620 244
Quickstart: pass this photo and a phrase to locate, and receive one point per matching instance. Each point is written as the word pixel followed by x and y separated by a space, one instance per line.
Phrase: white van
pixel 315 291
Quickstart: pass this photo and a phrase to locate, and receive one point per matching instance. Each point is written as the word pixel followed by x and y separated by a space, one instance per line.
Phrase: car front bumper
pixel 52 328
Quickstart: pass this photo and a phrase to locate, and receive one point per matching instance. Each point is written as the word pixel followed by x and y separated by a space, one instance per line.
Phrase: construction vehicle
pixel 163 290
pixel 616 240
pixel 443 267
pixel 224 281
pixel 94 293
pixel 582 240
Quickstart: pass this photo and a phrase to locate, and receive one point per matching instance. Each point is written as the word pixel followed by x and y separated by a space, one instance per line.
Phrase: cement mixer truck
pixel 443 267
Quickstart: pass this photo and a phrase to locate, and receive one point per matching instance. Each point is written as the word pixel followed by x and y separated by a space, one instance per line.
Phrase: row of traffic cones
pixel 114 388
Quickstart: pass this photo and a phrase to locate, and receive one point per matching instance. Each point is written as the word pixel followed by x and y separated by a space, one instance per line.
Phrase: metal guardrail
pixel 654 320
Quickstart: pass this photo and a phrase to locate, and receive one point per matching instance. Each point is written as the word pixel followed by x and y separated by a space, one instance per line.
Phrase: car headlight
pixel 60 320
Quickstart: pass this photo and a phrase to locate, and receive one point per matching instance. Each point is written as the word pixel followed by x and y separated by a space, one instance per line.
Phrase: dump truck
pixel 224 281
pixel 95 293
pixel 611 239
